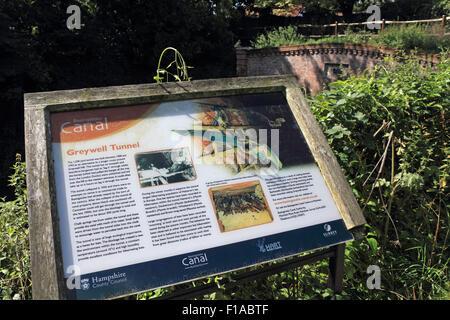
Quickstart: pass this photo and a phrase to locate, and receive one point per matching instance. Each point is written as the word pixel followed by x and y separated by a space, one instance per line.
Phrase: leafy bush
pixel 389 130
pixel 15 275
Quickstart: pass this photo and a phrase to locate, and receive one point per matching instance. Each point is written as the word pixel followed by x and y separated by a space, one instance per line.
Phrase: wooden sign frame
pixel 45 242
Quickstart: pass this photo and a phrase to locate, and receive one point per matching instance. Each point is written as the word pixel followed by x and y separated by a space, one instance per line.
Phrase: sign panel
pixel 156 194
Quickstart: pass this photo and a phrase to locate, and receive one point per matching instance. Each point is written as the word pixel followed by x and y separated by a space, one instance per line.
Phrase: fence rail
pixel 383 23
pixel 367 35
pixel 443 21
pixel 338 26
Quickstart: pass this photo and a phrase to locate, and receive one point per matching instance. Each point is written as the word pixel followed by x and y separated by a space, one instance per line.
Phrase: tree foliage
pixel 119 43
pixel 390 9
pixel 344 6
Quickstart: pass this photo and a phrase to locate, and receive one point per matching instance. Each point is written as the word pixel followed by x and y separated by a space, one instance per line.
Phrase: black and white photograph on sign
pixel 164 167
pixel 240 206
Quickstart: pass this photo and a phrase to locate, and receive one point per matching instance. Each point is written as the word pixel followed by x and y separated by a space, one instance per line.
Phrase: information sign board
pixel 164 188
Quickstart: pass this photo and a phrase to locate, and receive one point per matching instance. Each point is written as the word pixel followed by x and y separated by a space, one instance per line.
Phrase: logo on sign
pixel 263 247
pixel 328 231
pixel 194 261
pixel 85 285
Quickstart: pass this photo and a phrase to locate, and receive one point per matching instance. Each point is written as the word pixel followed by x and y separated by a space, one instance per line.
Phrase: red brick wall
pixel 313 65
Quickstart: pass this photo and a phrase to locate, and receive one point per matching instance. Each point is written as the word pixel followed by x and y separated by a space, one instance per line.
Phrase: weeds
pixel 181 69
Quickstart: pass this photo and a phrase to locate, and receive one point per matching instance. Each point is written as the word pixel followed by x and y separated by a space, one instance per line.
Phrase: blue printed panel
pixel 158 273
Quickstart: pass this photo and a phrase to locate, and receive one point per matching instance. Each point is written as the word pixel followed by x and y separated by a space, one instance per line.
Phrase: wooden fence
pixel 383 23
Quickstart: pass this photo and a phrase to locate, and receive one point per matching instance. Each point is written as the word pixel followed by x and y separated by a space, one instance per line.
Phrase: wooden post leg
pixel 444 18
pixel 336 269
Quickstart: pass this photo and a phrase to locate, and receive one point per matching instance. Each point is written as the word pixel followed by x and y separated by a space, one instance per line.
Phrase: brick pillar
pixel 242 61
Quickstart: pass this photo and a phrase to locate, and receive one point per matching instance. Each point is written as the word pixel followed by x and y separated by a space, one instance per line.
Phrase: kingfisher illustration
pixel 221 134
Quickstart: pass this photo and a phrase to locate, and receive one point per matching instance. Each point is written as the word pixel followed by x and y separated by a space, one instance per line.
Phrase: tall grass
pixel 413 37
pixel 407 37
pixel 281 36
